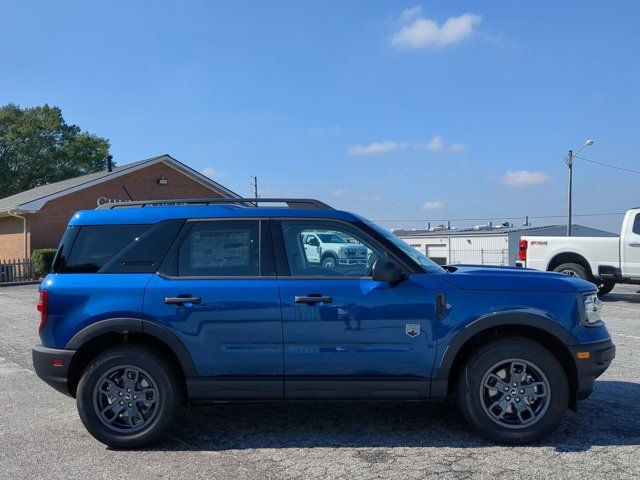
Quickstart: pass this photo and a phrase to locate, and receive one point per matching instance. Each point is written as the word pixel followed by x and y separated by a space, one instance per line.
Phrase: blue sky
pixel 401 111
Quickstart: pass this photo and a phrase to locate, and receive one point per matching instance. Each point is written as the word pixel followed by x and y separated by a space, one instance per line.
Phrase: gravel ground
pixel 42 437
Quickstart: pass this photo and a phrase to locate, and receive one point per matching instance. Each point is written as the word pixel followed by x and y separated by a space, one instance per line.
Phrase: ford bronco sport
pixel 151 304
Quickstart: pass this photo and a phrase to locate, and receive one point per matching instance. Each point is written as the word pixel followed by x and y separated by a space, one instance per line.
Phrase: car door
pixel 631 248
pixel 346 335
pixel 311 247
pixel 218 294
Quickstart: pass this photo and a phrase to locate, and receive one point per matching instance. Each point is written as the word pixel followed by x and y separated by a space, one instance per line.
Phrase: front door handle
pixel 180 300
pixel 634 244
pixel 312 299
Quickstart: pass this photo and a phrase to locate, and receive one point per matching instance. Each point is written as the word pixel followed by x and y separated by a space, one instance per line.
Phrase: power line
pixel 479 219
pixel 607 165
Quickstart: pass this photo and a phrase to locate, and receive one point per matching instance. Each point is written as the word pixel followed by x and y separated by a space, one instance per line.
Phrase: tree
pixel 38 147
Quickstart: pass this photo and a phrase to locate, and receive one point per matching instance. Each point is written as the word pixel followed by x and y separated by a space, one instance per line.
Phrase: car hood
pixel 476 277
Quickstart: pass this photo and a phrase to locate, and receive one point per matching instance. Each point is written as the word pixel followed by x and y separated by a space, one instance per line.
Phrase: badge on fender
pixel 412 329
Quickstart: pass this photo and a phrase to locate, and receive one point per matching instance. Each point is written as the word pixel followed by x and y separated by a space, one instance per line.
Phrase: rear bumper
pixel 600 356
pixel 52 366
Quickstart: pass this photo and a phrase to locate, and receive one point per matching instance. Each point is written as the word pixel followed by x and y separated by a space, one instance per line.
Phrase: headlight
pixel 592 309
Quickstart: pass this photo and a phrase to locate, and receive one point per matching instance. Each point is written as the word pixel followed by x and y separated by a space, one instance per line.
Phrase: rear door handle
pixel 182 300
pixel 634 244
pixel 312 299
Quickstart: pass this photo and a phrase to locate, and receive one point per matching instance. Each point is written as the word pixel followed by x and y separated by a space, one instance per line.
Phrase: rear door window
pixel 95 245
pixel 220 249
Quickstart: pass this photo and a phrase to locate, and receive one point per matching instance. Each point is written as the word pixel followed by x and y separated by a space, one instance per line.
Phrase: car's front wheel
pixel 329 261
pixel 127 397
pixel 513 391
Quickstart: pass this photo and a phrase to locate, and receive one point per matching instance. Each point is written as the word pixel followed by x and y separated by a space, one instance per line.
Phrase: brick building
pixel 37 218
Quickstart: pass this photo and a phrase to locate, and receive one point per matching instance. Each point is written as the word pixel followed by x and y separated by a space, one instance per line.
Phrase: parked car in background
pixel 330 248
pixel 151 305
pixel 600 260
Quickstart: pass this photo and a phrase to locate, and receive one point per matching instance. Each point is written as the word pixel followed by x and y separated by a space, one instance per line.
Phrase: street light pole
pixel 569 162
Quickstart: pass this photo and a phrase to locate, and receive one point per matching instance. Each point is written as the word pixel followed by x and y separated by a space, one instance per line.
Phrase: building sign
pixel 104 200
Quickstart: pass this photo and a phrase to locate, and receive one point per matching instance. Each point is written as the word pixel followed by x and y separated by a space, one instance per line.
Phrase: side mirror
pixel 387 270
pixel 313 242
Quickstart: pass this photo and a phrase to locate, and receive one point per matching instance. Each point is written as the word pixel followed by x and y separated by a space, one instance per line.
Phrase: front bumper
pixel 591 360
pixel 352 261
pixel 52 366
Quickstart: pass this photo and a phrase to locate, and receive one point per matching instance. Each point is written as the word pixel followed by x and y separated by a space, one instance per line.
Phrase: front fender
pixel 499 319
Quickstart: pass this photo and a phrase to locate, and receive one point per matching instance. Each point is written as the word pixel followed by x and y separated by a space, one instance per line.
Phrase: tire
pixel 574 270
pixel 103 386
pixel 474 399
pixel 329 261
pixel 605 288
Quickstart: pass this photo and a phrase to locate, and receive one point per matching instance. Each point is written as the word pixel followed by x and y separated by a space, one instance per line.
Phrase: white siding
pixel 493 247
pixel 472 249
pixel 480 250
pixel 433 247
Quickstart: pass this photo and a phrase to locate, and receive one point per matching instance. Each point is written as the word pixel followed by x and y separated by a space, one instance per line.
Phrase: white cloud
pixel 436 144
pixel 409 13
pixel 370 198
pixel 420 32
pixel 431 206
pixel 376 147
pixel 524 178
pixel 211 172
pixel 339 193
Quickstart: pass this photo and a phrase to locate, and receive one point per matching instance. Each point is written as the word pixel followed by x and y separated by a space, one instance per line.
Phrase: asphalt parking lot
pixel 42 437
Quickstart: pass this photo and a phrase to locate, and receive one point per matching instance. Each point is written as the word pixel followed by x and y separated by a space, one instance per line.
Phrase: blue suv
pixel 153 304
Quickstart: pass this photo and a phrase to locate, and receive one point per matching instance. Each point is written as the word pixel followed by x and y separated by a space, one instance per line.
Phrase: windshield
pixel 331 238
pixel 425 262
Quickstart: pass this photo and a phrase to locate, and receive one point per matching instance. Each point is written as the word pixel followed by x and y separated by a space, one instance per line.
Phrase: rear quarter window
pixel 93 246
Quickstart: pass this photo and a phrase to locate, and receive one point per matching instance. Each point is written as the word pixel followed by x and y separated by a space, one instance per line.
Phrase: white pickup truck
pixel 604 261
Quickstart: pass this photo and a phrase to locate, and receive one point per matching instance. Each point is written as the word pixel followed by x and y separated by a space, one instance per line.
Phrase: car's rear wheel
pixel 605 287
pixel 127 397
pixel 513 391
pixel 573 270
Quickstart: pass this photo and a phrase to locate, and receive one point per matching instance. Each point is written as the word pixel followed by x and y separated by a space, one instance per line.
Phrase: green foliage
pixel 42 260
pixel 38 147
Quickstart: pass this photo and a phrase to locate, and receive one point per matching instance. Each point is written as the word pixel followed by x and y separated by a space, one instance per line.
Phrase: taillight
pixel 522 253
pixel 42 308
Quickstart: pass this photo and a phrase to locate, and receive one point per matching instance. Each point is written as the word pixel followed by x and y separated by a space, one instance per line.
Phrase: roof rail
pixel 247 202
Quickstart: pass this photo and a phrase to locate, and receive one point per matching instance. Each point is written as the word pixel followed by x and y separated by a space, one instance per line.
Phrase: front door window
pixel 317 248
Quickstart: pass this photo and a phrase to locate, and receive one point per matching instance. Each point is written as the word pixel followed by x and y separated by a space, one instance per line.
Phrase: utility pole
pixel 255 188
pixel 570 165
